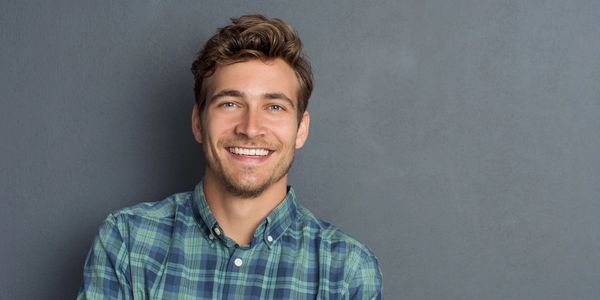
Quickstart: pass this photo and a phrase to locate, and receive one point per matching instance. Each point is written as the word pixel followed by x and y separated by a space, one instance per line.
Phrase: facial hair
pixel 248 191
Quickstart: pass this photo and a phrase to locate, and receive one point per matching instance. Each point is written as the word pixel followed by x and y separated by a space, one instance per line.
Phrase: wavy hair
pixel 253 37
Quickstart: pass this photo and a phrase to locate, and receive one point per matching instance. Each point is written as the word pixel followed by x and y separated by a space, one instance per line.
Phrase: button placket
pixel 237 260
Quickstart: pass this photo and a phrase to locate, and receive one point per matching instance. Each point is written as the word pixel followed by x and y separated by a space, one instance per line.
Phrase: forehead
pixel 254 78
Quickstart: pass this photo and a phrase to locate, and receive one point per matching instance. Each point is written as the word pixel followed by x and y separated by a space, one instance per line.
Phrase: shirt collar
pixel 270 230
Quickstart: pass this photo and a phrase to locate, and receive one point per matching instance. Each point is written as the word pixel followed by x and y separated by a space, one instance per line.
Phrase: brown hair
pixel 253 37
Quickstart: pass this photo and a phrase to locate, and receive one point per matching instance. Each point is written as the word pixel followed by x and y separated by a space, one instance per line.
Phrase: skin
pixel 250 105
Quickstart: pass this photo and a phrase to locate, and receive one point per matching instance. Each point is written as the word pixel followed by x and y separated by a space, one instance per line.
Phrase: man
pixel 240 234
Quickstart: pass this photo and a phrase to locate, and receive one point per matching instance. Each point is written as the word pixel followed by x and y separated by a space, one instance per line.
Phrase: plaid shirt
pixel 175 249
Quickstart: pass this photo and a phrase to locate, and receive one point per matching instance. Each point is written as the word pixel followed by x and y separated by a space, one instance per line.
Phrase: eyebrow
pixel 279 96
pixel 226 93
pixel 238 94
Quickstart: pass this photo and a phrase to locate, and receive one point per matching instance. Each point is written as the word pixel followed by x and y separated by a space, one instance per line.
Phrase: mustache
pixel 247 142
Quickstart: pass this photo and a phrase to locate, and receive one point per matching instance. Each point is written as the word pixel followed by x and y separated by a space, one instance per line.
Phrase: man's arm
pixel 106 273
pixel 367 281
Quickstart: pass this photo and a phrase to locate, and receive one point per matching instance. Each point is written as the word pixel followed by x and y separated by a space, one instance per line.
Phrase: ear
pixel 302 134
pixel 197 124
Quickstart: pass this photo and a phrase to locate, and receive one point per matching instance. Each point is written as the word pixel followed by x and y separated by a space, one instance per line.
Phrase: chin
pixel 246 191
pixel 245 187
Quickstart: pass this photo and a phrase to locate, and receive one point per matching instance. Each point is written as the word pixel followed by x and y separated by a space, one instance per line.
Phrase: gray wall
pixel 458 139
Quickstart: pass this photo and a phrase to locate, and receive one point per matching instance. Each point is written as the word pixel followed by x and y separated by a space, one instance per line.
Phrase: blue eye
pixel 228 104
pixel 275 107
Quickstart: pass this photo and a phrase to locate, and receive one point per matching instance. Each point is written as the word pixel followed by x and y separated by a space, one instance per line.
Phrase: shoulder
pixel 343 256
pixel 150 216
pixel 339 244
pixel 159 210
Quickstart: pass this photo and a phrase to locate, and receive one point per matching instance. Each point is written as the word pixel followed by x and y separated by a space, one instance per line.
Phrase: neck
pixel 239 217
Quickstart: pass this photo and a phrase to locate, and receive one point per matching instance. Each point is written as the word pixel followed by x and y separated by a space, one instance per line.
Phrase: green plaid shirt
pixel 175 249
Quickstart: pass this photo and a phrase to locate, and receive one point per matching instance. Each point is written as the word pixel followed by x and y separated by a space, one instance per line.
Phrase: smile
pixel 249 151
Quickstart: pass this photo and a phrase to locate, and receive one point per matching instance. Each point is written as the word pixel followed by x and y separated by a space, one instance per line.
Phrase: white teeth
pixel 249 152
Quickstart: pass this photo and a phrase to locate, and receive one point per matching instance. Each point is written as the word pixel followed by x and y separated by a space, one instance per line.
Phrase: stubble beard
pixel 249 190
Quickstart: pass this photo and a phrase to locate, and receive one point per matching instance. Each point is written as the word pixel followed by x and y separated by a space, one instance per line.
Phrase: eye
pixel 276 107
pixel 228 105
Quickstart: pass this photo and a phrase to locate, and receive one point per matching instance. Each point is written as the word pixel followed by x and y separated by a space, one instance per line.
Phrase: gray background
pixel 458 139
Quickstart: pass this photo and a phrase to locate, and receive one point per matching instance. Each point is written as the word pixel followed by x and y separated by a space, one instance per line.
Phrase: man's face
pixel 249 128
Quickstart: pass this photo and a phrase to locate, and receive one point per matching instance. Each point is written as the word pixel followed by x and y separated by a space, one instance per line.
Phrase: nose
pixel 251 124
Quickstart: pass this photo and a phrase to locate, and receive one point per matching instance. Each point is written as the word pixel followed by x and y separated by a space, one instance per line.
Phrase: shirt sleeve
pixel 367 281
pixel 106 272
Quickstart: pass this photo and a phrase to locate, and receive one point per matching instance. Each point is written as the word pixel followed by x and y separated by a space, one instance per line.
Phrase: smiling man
pixel 241 234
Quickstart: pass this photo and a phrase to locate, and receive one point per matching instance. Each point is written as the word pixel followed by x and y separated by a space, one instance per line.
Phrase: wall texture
pixel 458 139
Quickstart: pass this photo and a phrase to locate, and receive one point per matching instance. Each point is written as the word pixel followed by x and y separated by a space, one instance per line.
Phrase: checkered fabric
pixel 175 249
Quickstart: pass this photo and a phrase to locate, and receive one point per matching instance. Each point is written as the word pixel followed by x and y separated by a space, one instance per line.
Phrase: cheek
pixel 218 128
pixel 286 132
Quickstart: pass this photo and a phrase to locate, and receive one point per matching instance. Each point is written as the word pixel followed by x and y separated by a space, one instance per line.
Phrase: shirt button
pixel 270 239
pixel 217 231
pixel 210 236
pixel 238 262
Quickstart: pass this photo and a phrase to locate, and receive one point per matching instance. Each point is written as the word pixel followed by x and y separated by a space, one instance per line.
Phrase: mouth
pixel 250 152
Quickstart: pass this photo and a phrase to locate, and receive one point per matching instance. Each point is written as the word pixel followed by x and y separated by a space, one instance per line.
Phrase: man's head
pixel 253 37
pixel 252 88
